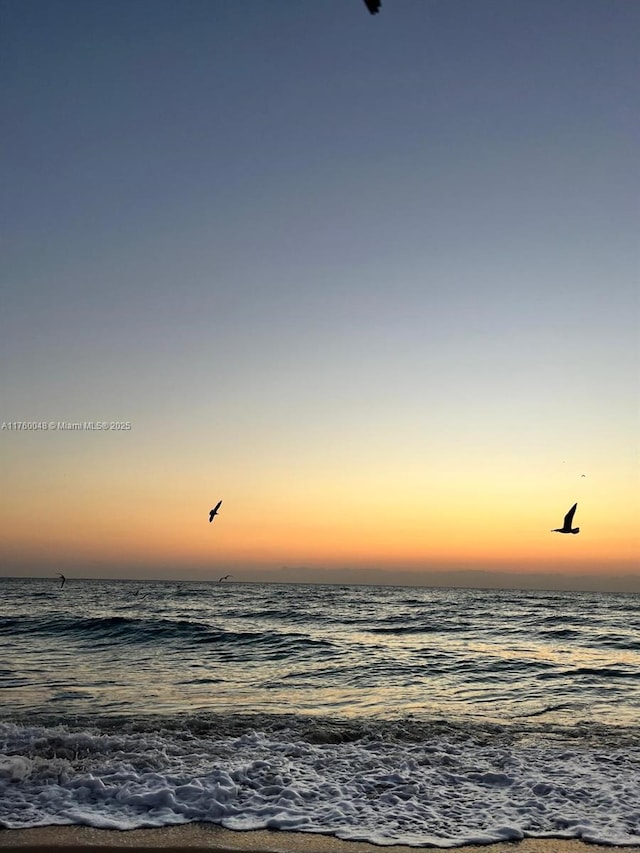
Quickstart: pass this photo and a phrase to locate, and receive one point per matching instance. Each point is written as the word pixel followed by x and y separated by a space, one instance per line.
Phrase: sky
pixel 372 281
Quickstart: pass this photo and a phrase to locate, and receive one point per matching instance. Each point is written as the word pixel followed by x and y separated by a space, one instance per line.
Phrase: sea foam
pixel 454 788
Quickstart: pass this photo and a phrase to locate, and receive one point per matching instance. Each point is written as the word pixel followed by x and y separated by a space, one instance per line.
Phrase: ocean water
pixel 387 714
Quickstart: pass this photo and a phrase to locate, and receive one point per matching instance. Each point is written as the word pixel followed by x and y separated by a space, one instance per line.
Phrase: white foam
pixel 447 792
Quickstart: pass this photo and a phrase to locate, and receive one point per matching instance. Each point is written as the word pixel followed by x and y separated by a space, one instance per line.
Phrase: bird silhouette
pixel 63 580
pixel 373 6
pixel 214 511
pixel 568 519
pixel 224 577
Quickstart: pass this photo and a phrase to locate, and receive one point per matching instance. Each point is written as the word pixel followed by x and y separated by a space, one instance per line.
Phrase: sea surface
pixel 387 714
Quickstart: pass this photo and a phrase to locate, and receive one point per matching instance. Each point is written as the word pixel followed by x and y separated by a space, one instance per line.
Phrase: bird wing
pixel 569 516
pixel 373 6
pixel 216 507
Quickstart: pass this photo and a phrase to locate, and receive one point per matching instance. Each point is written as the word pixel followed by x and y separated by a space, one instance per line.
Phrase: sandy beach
pixel 198 838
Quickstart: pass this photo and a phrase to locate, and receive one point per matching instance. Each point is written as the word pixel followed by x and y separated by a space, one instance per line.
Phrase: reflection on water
pixel 353 651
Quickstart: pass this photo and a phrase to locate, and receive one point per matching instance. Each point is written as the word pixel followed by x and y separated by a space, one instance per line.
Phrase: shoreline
pixel 211 838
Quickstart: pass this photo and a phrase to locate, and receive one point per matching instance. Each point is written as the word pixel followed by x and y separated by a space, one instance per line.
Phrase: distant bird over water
pixel 568 519
pixel 214 511
pixel 63 580
pixel 373 6
pixel 224 577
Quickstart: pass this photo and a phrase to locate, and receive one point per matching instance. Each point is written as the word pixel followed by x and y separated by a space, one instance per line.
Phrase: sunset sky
pixel 370 280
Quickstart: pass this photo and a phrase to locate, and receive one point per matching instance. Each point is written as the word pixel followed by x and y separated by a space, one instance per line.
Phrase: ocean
pixel 386 714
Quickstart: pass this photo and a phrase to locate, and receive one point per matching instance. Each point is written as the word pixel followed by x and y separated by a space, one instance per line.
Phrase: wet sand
pixel 201 838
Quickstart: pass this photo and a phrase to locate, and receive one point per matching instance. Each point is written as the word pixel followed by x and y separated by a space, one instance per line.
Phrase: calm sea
pixel 388 714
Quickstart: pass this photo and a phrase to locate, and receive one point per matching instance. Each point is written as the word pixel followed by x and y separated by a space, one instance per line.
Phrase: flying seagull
pixel 214 511
pixel 224 577
pixel 568 519
pixel 373 6
pixel 63 580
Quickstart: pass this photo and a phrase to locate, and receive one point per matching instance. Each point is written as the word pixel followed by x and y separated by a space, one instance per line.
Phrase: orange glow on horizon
pixel 147 510
pixel 294 535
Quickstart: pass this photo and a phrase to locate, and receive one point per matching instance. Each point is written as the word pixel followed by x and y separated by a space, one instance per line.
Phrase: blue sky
pixel 304 250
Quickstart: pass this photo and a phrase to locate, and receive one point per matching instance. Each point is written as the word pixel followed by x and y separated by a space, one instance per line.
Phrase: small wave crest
pixel 148 629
